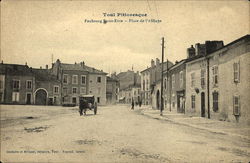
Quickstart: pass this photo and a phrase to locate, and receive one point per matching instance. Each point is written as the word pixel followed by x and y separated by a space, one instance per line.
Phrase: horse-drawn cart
pixel 87 102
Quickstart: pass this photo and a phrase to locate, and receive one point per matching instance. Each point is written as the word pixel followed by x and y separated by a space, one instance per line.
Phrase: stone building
pixel 217 83
pixel 174 87
pixel 229 80
pixel 196 78
pixel 150 77
pixel 78 79
pixel 17 84
pixel 129 81
pixel 112 90
pixel 47 88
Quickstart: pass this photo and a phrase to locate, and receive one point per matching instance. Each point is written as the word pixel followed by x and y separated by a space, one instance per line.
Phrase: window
pixel 192 79
pixel 138 91
pixel 65 79
pixel 173 81
pixel 65 91
pixel 99 79
pixel 56 89
pixel 83 90
pixel 203 72
pixel 28 84
pixel 215 101
pixel 16 84
pixel 236 67
pixel 143 86
pixel 193 101
pixel 74 100
pixel 15 96
pixel 98 99
pixel 236 105
pixel 215 75
pixel 75 79
pixel 181 79
pixel 83 79
pixel 74 90
pixel 147 85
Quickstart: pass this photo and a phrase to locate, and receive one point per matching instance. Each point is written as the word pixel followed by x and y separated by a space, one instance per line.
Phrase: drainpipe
pixel 208 99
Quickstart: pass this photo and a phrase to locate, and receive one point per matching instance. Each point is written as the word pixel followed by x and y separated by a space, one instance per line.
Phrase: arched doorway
pixel 158 99
pixel 41 97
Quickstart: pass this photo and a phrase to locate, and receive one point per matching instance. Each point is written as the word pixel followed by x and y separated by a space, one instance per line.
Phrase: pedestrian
pixel 140 103
pixel 81 106
pixel 133 104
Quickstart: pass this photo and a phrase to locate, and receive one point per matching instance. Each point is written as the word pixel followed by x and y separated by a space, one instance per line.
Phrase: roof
pixel 155 66
pixel 78 67
pixel 109 79
pixel 44 75
pixel 246 37
pixel 176 65
pixel 15 69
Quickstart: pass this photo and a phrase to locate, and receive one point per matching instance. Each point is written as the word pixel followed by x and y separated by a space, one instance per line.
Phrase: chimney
pixel 212 46
pixel 197 48
pixel 152 63
pixel 25 63
pixel 157 62
pixel 2 61
pixel 47 67
pixel 40 67
pixel 190 52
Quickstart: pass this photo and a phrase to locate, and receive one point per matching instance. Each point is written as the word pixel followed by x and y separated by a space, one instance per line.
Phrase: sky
pixel 33 31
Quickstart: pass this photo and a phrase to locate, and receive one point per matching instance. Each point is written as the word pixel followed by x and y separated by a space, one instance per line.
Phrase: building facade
pixel 47 88
pixel 150 77
pixel 217 83
pixel 129 81
pixel 77 80
pixel 112 90
pixel 175 87
pixel 196 78
pixel 17 84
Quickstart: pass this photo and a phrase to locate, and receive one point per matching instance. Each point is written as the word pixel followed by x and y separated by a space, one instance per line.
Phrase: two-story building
pixel 196 77
pixel 112 90
pixel 150 83
pixel 17 84
pixel 175 86
pixel 77 80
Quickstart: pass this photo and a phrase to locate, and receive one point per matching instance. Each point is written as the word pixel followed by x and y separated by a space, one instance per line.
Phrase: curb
pixel 214 131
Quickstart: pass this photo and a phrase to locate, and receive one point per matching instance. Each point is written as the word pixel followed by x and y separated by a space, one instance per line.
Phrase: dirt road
pixel 115 134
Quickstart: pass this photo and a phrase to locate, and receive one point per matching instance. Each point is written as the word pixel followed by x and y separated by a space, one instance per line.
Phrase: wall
pixel 22 91
pixel 94 86
pixel 227 88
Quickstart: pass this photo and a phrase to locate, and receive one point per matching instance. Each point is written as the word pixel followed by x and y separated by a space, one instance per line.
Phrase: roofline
pixel 229 44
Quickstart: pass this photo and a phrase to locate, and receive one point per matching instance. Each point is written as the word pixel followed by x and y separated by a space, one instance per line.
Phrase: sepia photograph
pixel 125 81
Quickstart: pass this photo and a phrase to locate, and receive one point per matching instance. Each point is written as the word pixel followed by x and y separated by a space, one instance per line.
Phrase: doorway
pixel 158 99
pixel 41 97
pixel 202 104
pixel 28 98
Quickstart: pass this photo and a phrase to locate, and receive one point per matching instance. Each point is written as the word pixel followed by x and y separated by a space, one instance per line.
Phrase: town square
pixel 124 81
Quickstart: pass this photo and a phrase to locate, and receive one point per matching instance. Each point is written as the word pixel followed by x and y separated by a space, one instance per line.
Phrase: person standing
pixel 133 104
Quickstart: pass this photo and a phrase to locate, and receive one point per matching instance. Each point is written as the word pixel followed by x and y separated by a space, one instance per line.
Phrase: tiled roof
pixel 78 67
pixel 15 69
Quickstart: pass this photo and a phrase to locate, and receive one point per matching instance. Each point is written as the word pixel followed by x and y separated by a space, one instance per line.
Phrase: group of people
pixel 137 103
